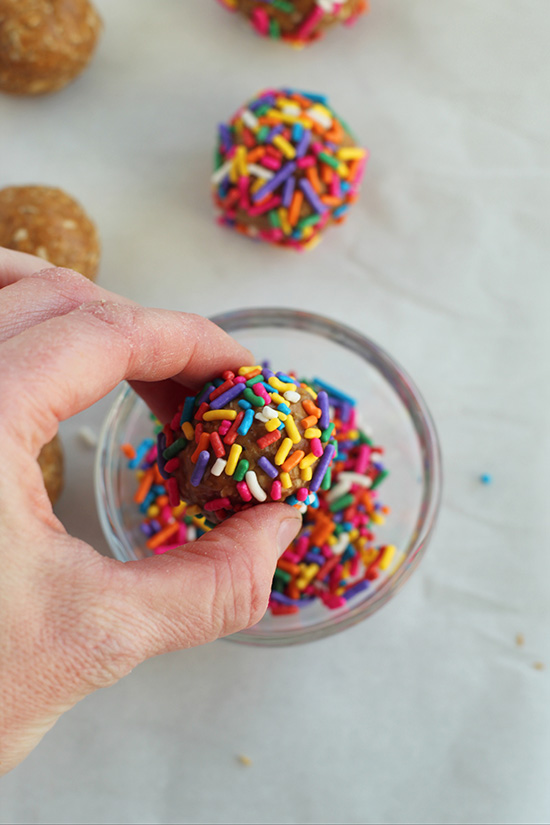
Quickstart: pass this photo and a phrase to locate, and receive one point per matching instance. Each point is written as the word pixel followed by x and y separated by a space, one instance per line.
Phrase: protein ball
pixel 286 168
pixel 246 438
pixel 46 222
pixel 45 44
pixel 297 22
pixel 51 464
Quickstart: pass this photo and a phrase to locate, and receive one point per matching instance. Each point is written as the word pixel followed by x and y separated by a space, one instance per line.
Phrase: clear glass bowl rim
pixel 273 317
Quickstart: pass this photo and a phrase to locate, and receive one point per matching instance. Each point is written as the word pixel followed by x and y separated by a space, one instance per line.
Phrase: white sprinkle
pixel 293 109
pixel 88 437
pixel 261 417
pixel 219 467
pixel 251 120
pixel 341 544
pixel 191 533
pixel 269 412
pixel 345 481
pixel 20 235
pixel 220 173
pixel 259 171
pixel 329 6
pixel 319 117
pixel 292 396
pixel 254 486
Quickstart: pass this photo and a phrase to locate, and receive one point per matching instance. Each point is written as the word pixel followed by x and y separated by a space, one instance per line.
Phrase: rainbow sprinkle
pixel 286 167
pixel 297 23
pixel 334 558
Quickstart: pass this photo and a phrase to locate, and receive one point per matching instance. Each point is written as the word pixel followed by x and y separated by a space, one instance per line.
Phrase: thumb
pixel 211 587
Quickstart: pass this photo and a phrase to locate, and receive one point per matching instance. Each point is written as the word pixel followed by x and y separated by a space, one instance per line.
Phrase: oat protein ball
pixel 45 44
pixel 51 464
pixel 246 438
pixel 297 22
pixel 286 168
pixel 46 222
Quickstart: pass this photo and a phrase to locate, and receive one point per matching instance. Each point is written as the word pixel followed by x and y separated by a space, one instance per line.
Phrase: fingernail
pixel 288 530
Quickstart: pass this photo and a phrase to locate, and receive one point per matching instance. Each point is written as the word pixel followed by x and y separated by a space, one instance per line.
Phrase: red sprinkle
pixel 269 438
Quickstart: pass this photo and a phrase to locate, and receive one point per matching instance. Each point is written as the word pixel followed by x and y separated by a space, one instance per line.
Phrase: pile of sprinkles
pixel 286 167
pixel 334 558
pixel 297 22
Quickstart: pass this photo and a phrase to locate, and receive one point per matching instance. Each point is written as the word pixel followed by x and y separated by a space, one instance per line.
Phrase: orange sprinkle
pixel 144 487
pixel 204 441
pixel 313 177
pixel 288 567
pixel 128 451
pixel 310 421
pixel 255 154
pixel 336 133
pixel 326 174
pixel 295 207
pixel 321 533
pixel 311 408
pixel 331 200
pixel 162 535
pixel 162 501
pixel 252 374
pixel 292 461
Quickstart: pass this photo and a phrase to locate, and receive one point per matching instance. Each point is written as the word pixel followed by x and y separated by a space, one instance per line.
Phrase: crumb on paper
pixel 538 665
pixel 244 760
pixel 520 639
pixel 88 437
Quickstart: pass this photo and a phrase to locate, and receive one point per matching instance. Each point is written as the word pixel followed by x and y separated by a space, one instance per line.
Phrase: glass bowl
pixel 388 403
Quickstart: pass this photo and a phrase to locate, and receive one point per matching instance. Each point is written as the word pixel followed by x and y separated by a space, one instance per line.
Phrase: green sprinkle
pixel 329 160
pixel 254 399
pixel 284 5
pixel 282 575
pixel 242 469
pixel 364 439
pixel 327 480
pixel 342 502
pixel 278 585
pixel 274 29
pixel 326 434
pixel 209 523
pixel 256 380
pixel 174 449
pixel 305 222
pixel 379 479
pixel 274 219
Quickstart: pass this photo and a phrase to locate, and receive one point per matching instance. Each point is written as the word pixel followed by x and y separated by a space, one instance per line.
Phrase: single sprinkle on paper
pixel 520 639
pixel 87 437
pixel 538 665
pixel 244 760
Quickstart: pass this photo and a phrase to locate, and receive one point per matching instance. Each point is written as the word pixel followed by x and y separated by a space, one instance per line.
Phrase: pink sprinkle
pixel 217 504
pixel 309 23
pixel 261 208
pixel 354 565
pixel 290 556
pixel 261 391
pixel 182 533
pixel 271 163
pixel 301 547
pixel 240 379
pixel 260 20
pixel 276 490
pixel 303 163
pixel 301 495
pixel 224 428
pixel 335 188
pixel 363 458
pixel 152 454
pixel 316 447
pixel 173 492
pixel 317 147
pixel 332 601
pixel 166 514
pixel 243 491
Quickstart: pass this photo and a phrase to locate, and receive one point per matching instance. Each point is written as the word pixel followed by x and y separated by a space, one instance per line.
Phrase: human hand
pixel 72 621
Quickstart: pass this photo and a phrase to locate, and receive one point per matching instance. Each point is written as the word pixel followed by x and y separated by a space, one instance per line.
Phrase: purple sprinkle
pixel 267 373
pixel 357 588
pixel 303 145
pixel 288 192
pixel 146 529
pixel 312 196
pixel 204 393
pixel 155 525
pixel 322 402
pixel 275 182
pixel 274 132
pixel 267 99
pixel 322 467
pixel 227 396
pixel 313 558
pixel 200 467
pixel 282 599
pixel 161 446
pixel 225 136
pixel 268 467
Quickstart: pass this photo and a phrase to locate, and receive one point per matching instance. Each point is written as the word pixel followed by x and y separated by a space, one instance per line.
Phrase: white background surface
pixel 428 712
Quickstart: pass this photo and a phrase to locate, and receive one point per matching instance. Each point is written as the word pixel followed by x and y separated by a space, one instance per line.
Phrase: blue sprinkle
pixel 284 408
pixel 246 423
pixel 486 478
pixel 245 405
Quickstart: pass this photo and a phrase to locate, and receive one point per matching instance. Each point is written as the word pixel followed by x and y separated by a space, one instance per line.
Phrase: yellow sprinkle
pixel 332 540
pixel 311 244
pixel 307 474
pixel 284 117
pixel 318 107
pixel 313 432
pixel 306 462
pixel 369 555
pixel 283 451
pixel 307 233
pixel 285 225
pixel 244 760
pixel 340 591
pixel 399 559
pixel 352 434
pixel 278 399
pixel 220 415
pixel 282 416
pixel 246 370
pixel 280 385
pixel 286 483
pixel 193 510
pixel 387 557
pixel 292 430
pixel 307 576
pixel 240 159
pixel 233 458
pixel 309 390
pixel 234 171
pixel 140 474
pixel 272 424
pixel 188 430
pixel 377 518
pixel 350 153
pixel 286 148
pixel 179 510
pixel 153 511
pixel 354 534
pixel 343 171
pixel 285 101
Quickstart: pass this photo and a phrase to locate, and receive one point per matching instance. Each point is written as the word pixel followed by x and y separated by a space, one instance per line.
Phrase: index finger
pixel 17 265
pixel 62 366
